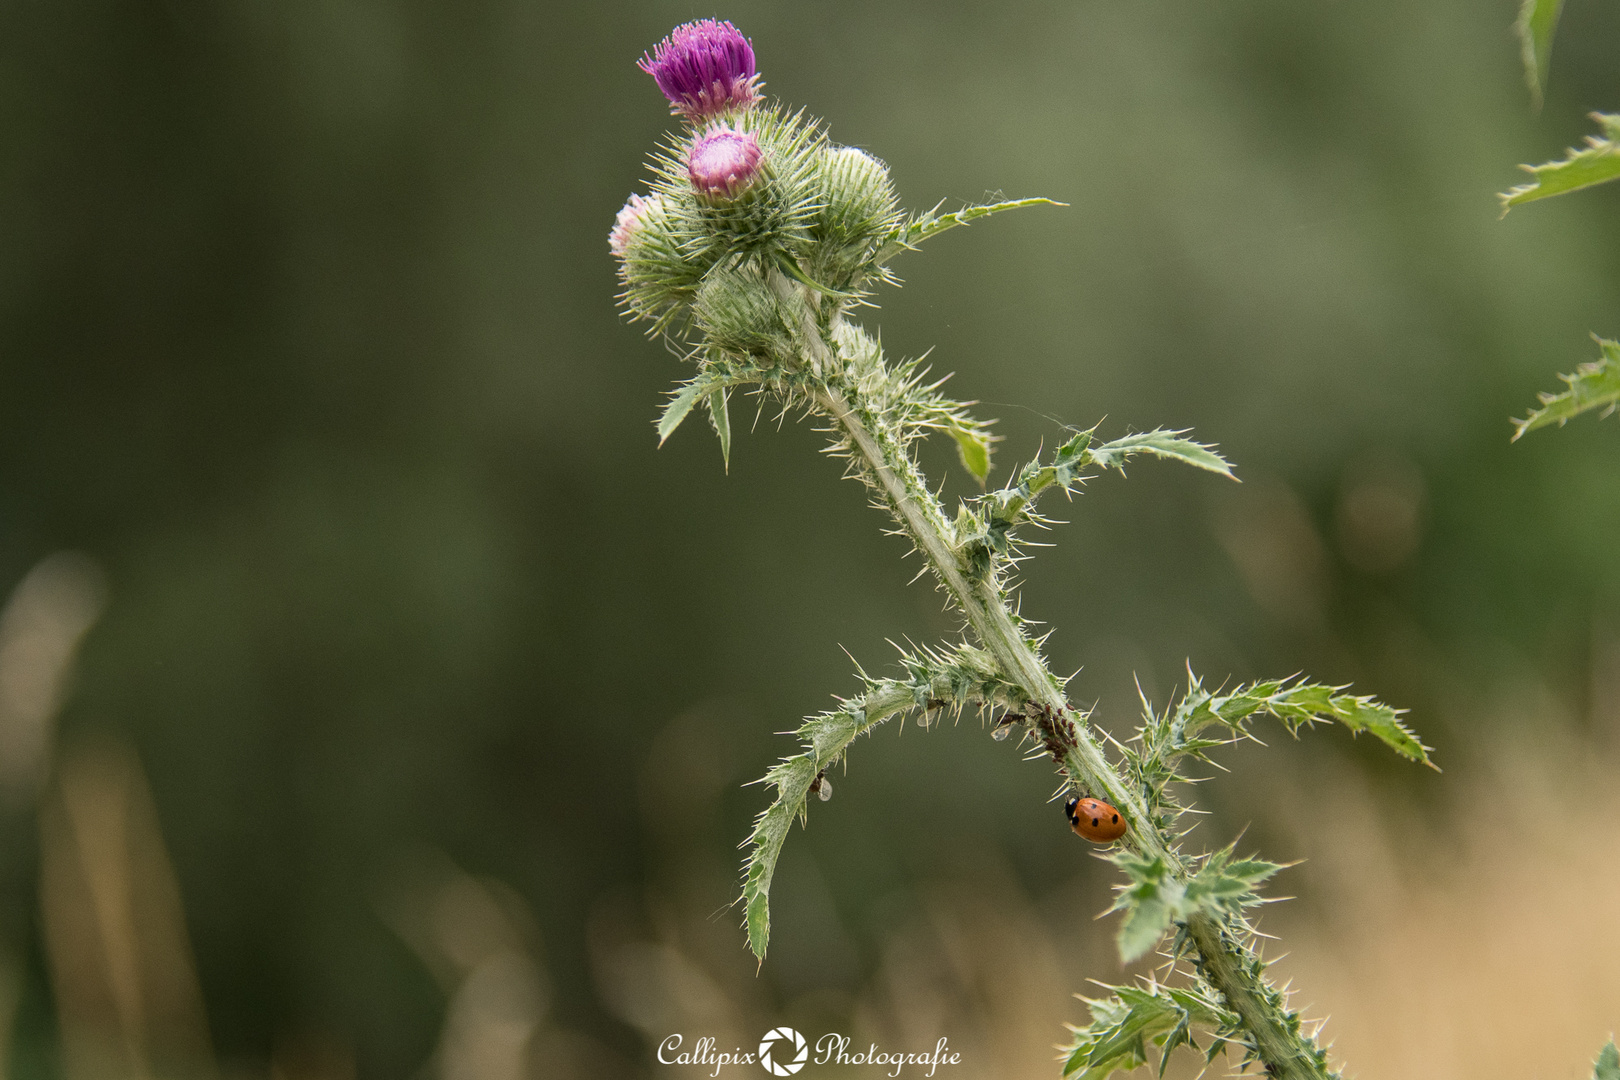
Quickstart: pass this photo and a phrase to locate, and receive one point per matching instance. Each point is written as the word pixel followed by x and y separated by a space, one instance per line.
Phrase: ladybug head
pixel 1068 807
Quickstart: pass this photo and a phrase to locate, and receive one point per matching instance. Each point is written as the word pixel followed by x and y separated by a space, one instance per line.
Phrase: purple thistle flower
pixel 704 68
pixel 723 162
pixel 630 220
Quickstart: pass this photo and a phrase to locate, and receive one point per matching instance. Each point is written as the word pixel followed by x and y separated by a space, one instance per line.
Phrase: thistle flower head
pixel 723 162
pixel 705 68
pixel 629 220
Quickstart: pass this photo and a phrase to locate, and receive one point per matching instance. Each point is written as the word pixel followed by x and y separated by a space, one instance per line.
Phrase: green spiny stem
pixel 1224 962
pixel 1228 965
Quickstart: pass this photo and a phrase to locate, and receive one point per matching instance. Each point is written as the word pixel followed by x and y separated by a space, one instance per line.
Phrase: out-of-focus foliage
pixel 1597 162
pixel 1538 21
pixel 1607 1066
pixel 1597 384
pixel 1593 386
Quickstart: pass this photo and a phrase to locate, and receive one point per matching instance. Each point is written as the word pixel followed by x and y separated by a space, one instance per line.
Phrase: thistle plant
pixel 755 243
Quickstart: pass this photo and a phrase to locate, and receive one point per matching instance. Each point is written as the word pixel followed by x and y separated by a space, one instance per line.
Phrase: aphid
pixel 821 787
pixel 1095 820
pixel 1004 726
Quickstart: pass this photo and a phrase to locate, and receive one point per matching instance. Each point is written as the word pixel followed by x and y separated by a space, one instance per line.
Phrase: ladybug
pixel 1095 820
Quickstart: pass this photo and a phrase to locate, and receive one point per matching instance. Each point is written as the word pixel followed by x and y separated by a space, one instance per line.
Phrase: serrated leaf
pixel 1593 386
pixel 953 678
pixel 1121 1026
pixel 792 779
pixel 1180 1035
pixel 757 915
pixel 1596 163
pixel 1536 23
pixel 678 407
pixel 1151 901
pixel 1296 706
pixel 1155 898
pixel 1126 1039
pixel 1607 1066
pixel 973 447
pixel 721 419
pixel 711 388
pixel 1224 887
pixel 931 224
pixel 1144 925
pixel 1380 721
pixel 1161 443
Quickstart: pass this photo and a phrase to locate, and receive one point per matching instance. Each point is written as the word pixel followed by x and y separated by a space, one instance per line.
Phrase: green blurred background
pixel 311 347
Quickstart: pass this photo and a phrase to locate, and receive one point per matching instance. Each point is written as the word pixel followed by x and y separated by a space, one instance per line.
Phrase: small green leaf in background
pixel 1598 162
pixel 1538 19
pixel 1593 386
pixel 1607 1066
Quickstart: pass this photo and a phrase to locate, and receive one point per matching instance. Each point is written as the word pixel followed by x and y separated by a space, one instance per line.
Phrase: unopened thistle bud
pixel 737 310
pixel 856 210
pixel 705 68
pixel 857 195
pixel 723 163
pixel 630 221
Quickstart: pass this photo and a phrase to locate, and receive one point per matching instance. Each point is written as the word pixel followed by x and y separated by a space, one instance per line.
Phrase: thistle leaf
pixel 1299 705
pixel 931 224
pixel 721 419
pixel 1154 898
pixel 1121 1027
pixel 792 779
pixel 678 407
pixel 989 535
pixel 1224 886
pixel 1593 386
pixel 934 679
pixel 1144 925
pixel 1607 1066
pixel 1595 163
pixel 707 387
pixel 1161 443
pixel 1384 723
pixel 1537 21
pixel 973 446
pixel 1151 900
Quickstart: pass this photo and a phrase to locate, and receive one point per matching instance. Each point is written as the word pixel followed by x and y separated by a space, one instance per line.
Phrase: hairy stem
pixel 1225 963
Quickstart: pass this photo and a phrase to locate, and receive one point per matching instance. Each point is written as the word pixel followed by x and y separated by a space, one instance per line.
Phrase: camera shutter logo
pixel 776 1047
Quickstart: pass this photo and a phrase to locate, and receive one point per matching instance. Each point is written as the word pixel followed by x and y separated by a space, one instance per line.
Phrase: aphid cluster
pixel 1093 819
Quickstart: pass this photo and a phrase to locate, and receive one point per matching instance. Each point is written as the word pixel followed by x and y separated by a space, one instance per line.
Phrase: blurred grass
pixel 310 343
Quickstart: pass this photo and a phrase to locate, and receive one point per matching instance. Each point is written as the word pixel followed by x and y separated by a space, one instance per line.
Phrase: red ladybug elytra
pixel 1095 820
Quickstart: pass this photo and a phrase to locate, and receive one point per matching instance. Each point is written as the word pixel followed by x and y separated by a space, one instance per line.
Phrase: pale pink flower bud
pixel 723 162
